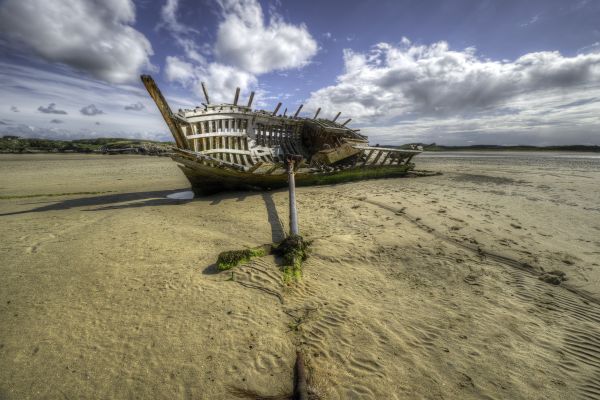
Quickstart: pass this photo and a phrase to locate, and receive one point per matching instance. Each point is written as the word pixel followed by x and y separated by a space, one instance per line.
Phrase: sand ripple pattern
pixel 579 315
pixel 330 335
pixel 580 322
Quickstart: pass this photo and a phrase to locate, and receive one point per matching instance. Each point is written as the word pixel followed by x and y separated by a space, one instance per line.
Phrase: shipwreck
pixel 229 146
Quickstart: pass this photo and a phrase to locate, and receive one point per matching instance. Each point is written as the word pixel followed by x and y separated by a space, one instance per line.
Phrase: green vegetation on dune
pixel 9 144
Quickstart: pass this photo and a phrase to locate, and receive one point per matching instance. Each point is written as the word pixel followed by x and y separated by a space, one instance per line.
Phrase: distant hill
pixel 491 147
pixel 14 144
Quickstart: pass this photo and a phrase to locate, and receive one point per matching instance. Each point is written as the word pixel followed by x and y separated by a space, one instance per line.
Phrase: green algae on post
pixel 293 250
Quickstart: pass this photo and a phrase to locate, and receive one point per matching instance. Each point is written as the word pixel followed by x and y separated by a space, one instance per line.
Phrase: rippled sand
pixel 416 288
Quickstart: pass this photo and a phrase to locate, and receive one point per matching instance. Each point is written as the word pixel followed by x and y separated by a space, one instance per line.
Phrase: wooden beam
pixel 298 111
pixel 337 116
pixel 237 96
pixel 276 109
pixel 165 111
pixel 348 120
pixel 317 113
pixel 285 111
pixel 205 93
pixel 250 100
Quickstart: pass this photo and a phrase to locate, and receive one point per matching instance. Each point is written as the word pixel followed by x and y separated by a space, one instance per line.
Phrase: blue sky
pixel 451 72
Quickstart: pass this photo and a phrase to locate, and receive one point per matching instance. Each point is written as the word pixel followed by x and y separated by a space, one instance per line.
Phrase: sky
pixel 454 72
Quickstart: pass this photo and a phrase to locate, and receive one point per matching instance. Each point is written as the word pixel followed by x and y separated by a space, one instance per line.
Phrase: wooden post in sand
pixel 291 165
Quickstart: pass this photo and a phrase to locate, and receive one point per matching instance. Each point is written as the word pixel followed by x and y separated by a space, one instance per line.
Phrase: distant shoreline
pixel 17 145
pixel 567 148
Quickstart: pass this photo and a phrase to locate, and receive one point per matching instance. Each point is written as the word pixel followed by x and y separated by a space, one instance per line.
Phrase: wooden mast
pixel 237 96
pixel 205 93
pixel 165 111
pixel 298 111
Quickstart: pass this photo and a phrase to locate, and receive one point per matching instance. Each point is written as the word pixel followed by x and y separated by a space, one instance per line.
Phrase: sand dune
pixel 416 288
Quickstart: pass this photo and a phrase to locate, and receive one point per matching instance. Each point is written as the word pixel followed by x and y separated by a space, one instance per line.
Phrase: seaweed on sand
pixel 233 258
pixel 293 250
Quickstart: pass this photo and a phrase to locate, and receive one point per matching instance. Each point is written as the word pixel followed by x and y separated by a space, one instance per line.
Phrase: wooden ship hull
pixel 230 146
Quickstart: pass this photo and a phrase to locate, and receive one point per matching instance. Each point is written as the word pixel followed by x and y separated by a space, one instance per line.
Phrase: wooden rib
pixel 224 150
pixel 348 120
pixel 336 117
pixel 386 157
pixel 250 100
pixel 379 153
pixel 271 170
pixel 317 113
pixel 255 167
pixel 368 156
pixel 276 109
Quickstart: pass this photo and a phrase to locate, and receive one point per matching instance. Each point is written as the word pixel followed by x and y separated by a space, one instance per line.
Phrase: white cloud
pixel 246 42
pixel 389 82
pixel 182 34
pixel 94 36
pixel 246 46
pixel 178 70
pixel 407 92
pixel 223 79
pixel 27 87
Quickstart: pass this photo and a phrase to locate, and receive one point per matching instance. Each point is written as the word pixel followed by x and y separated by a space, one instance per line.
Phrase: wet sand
pixel 416 288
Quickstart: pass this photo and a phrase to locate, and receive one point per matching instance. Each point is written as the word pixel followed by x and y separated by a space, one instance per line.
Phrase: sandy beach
pixel 416 288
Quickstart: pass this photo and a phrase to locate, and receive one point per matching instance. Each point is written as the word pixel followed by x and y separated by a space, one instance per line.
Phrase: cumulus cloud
pixel 410 80
pixel 56 121
pixel 135 106
pixel 51 109
pixel 221 80
pixel 91 110
pixel 179 70
pixel 182 33
pixel 93 36
pixel 247 45
pixel 248 42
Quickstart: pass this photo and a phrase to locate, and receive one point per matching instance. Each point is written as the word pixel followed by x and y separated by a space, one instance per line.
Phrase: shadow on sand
pixel 277 229
pixel 157 198
pixel 108 201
